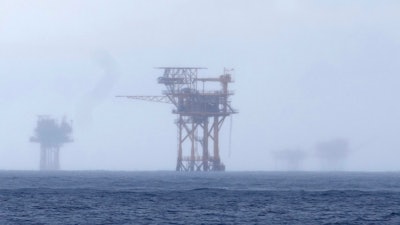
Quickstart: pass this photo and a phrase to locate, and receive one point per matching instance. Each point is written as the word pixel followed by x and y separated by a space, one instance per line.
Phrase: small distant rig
pixel 200 115
pixel 51 135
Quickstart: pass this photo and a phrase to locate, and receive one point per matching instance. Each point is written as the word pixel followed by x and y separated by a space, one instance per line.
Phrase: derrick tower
pixel 51 135
pixel 200 115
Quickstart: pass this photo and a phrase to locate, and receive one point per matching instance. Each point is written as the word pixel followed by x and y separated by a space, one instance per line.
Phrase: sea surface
pixel 199 198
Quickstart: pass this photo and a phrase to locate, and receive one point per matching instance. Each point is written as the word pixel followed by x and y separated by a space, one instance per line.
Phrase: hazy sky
pixel 306 72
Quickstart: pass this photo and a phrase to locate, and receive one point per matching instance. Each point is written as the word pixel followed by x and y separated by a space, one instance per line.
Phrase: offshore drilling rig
pixel 51 135
pixel 199 110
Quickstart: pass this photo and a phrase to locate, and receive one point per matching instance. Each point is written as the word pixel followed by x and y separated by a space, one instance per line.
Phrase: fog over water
pixel 316 82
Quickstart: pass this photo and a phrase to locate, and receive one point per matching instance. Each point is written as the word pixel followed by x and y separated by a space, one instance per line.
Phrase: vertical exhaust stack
pixel 200 112
pixel 51 136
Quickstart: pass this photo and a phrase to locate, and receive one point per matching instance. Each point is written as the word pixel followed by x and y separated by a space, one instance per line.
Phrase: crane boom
pixel 160 99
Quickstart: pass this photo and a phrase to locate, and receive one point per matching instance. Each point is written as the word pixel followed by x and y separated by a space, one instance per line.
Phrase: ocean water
pixel 199 198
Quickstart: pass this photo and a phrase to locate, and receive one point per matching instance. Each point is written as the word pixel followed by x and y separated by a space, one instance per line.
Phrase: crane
pixel 160 99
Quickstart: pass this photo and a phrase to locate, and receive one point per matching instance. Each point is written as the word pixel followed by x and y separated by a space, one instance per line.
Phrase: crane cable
pixel 230 137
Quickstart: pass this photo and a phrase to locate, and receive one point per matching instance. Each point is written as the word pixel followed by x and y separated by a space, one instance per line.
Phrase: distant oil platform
pixel 200 111
pixel 51 135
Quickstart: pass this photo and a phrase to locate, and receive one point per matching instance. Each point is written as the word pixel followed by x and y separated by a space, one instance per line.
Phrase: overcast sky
pixel 306 72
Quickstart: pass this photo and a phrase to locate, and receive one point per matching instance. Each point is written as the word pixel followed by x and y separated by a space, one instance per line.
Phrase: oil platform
pixel 200 115
pixel 51 135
